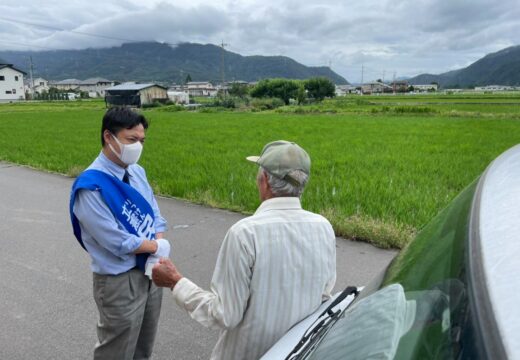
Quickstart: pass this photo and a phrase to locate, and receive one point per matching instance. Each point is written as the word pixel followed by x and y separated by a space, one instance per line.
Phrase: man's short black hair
pixel 118 118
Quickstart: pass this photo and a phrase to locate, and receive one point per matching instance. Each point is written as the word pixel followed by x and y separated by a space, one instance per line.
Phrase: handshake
pixel 163 250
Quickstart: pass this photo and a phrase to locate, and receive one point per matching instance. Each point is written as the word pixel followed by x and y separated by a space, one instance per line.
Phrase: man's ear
pixel 107 136
pixel 265 180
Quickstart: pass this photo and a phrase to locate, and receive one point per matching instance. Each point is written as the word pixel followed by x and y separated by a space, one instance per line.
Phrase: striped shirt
pixel 274 269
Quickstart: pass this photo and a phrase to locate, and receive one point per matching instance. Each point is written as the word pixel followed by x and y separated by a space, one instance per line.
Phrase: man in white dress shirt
pixel 273 269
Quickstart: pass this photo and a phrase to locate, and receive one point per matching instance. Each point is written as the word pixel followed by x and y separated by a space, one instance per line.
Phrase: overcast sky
pixel 405 37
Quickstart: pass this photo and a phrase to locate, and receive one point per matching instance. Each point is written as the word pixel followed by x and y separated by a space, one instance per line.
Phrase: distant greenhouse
pixel 131 94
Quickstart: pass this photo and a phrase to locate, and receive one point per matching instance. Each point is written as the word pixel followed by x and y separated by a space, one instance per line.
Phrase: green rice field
pixel 378 175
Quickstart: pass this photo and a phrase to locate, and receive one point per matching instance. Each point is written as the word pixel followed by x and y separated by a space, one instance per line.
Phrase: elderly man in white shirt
pixel 273 269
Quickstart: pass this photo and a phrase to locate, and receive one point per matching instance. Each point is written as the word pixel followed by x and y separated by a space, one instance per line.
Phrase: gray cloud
pixel 385 36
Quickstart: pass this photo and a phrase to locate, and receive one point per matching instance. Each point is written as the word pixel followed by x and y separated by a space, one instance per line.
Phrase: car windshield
pixel 420 308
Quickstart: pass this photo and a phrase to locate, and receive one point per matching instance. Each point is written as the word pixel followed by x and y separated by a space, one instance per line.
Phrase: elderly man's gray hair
pixel 281 187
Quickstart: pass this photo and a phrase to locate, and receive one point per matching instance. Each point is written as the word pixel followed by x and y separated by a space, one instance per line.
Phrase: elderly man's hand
pixel 165 274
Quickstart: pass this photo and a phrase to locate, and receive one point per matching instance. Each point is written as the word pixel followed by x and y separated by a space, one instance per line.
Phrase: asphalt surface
pixel 47 309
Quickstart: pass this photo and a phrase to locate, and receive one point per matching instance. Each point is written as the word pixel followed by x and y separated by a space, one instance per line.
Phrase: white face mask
pixel 130 153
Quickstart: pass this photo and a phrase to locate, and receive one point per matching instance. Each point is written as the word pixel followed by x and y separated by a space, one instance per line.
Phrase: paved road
pixel 47 310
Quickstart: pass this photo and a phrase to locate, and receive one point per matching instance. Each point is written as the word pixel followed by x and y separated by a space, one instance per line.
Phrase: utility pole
pixel 222 70
pixel 383 76
pixel 362 71
pixel 31 75
pixel 393 83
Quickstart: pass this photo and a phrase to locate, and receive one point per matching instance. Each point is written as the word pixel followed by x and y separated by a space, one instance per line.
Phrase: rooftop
pixel 94 81
pixel 133 86
pixel 68 82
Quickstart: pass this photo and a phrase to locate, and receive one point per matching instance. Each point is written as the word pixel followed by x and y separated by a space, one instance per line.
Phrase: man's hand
pixel 163 250
pixel 165 274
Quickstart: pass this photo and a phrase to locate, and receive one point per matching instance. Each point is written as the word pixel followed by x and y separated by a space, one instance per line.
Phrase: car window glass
pixel 371 328
pixel 430 275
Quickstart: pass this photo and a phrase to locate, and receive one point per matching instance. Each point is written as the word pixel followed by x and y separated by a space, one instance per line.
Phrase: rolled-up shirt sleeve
pixel 160 222
pixel 96 218
pixel 225 304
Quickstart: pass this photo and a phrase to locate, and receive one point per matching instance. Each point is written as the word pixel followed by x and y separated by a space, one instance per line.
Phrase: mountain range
pixel 163 63
pixel 499 68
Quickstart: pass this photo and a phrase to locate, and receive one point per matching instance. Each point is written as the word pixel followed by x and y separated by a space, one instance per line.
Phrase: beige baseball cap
pixel 282 157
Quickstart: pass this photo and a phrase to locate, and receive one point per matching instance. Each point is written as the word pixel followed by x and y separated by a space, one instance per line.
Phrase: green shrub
pixel 171 108
pixel 414 109
pixel 151 105
pixel 225 102
pixel 362 102
pixel 208 110
pixel 266 103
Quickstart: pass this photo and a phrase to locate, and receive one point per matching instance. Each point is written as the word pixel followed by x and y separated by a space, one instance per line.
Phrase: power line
pixel 28 23
pixel 27 45
pixel 75 31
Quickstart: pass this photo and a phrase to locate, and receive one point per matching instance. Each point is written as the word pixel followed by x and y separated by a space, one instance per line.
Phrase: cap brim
pixel 253 158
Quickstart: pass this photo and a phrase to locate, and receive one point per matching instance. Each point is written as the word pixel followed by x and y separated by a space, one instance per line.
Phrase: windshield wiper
pixel 314 330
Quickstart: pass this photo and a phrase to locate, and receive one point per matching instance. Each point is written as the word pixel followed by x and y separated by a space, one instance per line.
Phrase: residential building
pixel 425 88
pixel 11 83
pixel 201 88
pixel 399 86
pixel 179 97
pixel 375 87
pixel 67 84
pixel 342 90
pixel 132 94
pixel 495 88
pixel 95 87
pixel 40 85
pixel 238 82
pixel 176 87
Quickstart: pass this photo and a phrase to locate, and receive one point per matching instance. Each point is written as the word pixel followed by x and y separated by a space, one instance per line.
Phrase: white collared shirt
pixel 273 269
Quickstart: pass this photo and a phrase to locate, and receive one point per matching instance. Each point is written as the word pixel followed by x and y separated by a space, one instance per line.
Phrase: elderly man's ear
pixel 264 189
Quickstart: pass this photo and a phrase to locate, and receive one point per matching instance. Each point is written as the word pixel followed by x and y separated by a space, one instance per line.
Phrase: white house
pixel 342 90
pixel 11 83
pixel 494 88
pixel 40 85
pixel 425 87
pixel 201 88
pixel 179 97
pixel 67 84
pixel 95 87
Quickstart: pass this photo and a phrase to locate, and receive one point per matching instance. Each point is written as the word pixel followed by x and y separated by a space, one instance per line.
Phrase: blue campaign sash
pixel 126 203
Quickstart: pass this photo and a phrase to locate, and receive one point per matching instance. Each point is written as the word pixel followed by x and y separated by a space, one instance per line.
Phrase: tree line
pixel 301 91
